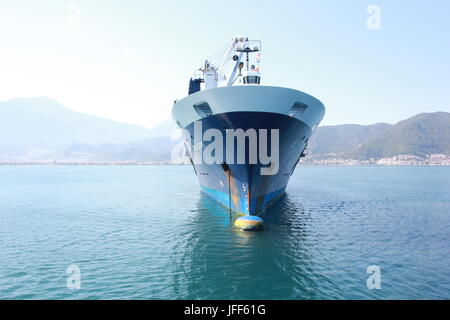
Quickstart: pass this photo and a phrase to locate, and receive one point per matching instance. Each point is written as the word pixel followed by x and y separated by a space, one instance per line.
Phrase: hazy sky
pixel 128 60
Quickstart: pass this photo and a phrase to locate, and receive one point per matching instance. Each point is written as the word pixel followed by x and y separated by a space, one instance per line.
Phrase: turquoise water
pixel 145 232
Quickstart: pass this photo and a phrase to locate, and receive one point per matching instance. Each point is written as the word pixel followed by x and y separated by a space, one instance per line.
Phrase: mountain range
pixel 41 129
pixel 421 135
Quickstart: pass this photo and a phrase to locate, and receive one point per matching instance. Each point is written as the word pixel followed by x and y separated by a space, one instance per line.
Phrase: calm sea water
pixel 147 233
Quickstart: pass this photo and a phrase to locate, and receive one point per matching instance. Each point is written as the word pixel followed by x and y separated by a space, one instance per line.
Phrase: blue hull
pixel 241 187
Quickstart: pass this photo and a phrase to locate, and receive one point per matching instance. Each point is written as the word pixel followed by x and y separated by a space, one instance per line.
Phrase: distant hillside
pixel 423 134
pixel 333 139
pixel 36 126
pixel 163 129
pixel 154 149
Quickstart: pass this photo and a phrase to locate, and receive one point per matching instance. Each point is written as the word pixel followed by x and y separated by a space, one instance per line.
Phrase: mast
pixel 217 74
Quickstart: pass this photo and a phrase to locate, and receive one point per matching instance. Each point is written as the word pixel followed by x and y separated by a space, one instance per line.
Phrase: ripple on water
pixel 147 233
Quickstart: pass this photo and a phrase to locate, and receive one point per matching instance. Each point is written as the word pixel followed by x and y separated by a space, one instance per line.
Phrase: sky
pixel 129 60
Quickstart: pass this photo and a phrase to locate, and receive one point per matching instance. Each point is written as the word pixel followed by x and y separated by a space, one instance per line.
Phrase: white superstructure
pixel 238 65
pixel 230 81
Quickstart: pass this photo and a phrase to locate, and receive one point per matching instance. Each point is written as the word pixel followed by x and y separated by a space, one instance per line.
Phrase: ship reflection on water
pixel 273 263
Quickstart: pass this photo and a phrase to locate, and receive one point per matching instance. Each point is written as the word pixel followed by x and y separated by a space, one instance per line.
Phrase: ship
pixel 226 98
